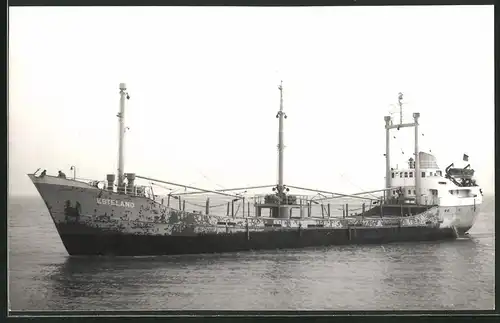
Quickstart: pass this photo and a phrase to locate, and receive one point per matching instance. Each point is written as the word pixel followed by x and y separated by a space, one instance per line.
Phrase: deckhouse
pixel 454 186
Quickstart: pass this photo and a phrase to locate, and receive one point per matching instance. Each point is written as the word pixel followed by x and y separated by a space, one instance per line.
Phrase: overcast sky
pixel 203 86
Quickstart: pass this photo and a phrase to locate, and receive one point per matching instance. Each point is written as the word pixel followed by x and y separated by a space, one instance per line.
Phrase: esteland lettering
pixel 115 203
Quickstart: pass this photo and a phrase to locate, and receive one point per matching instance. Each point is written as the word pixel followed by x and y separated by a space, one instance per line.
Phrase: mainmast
pixel 281 146
pixel 121 134
pixel 389 126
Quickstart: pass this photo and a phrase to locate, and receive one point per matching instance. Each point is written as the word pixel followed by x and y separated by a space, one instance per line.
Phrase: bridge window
pixel 392 174
pixel 411 174
pixel 438 173
pixel 401 175
pixel 423 174
pixel 406 174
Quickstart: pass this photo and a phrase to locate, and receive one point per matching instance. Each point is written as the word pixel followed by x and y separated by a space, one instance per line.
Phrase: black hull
pixel 99 243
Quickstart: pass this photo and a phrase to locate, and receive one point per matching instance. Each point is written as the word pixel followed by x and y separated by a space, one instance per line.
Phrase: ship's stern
pixel 462 217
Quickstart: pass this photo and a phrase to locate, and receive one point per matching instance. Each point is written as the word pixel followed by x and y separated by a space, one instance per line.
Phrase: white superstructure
pixel 452 189
pixel 422 182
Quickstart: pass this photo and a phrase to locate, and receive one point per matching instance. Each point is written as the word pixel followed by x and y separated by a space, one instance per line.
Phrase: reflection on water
pixel 402 276
pixel 437 275
pixel 431 280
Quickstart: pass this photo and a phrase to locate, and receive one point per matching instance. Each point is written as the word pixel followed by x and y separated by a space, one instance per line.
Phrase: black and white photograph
pixel 309 158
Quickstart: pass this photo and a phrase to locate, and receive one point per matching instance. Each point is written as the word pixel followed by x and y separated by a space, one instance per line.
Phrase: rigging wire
pixel 162 186
pixel 208 179
pixel 185 188
pixel 343 177
pixel 424 139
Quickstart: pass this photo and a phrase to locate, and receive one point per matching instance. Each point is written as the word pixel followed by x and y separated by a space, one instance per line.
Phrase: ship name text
pixel 115 203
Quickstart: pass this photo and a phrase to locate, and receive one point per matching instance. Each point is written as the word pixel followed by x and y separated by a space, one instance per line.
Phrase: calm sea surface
pixel 445 275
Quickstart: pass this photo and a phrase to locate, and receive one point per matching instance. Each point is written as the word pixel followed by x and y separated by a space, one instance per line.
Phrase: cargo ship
pixel 120 217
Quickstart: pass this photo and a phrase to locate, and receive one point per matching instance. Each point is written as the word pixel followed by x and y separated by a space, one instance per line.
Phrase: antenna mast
pixel 281 146
pixel 400 102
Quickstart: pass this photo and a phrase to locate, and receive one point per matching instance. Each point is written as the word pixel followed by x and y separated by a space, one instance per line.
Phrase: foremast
pixel 121 137
pixel 281 147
